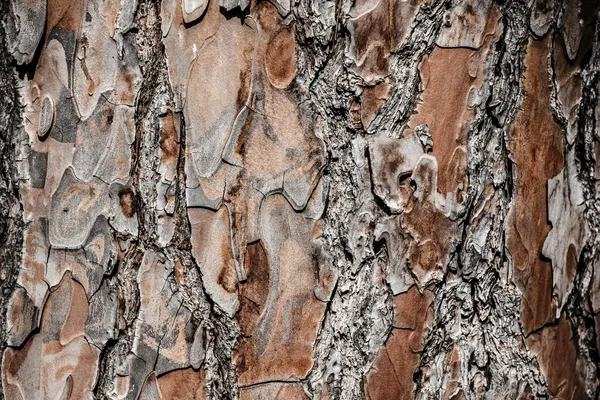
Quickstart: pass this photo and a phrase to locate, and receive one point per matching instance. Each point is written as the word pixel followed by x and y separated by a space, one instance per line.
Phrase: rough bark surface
pixel 307 199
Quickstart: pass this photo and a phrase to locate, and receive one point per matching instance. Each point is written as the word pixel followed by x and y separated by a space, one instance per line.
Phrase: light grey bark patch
pixel 229 5
pixel 392 160
pixel 193 9
pixel 75 206
pixel 26 24
pixel 64 129
pixel 100 325
pixel 68 40
pixel 150 389
pixel 389 230
pixel 124 23
pixel 96 60
pixel 20 303
pixel 114 163
pixel 195 197
pixel 197 349
pixel 100 247
pixel 543 16
pixel 569 232
pixel 93 140
pixel 205 149
pixel 283 6
pixel 571 26
pixel 464 24
pixel 46 116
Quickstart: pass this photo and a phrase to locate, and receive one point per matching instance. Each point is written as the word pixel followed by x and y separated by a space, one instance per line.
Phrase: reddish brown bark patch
pixel 274 391
pixel 254 291
pixel 448 76
pixel 391 376
pixel 127 202
pixel 444 109
pixel 169 139
pixel 185 384
pixel 536 144
pixel 555 349
pixel 372 100
pixel 379 27
pixel 280 60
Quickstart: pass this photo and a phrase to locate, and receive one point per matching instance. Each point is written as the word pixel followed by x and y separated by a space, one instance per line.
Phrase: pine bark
pixel 307 199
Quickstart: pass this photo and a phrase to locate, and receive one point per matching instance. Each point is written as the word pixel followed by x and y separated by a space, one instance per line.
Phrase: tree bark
pixel 277 199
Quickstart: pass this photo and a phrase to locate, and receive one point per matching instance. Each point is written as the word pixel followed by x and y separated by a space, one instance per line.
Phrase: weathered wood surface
pixel 307 199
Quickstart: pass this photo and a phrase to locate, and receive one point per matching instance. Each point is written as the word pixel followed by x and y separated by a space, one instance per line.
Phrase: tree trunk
pixel 276 199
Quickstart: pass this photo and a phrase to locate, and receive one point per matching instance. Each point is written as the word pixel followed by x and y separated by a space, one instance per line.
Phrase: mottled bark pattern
pixel 307 199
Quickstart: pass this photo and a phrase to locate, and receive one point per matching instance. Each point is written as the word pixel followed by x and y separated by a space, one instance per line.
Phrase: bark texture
pixel 299 199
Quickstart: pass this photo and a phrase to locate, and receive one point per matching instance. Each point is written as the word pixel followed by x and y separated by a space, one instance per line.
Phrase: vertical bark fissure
pixel 579 304
pixel 153 99
pixel 359 318
pixel 11 210
pixel 404 97
pixel 220 331
pixel 128 300
pixel 477 322
pixel 337 359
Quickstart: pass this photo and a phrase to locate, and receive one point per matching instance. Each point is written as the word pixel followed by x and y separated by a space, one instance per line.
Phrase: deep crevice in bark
pixel 478 315
pixel 11 222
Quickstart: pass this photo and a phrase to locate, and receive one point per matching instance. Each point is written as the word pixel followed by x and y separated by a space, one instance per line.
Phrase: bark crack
pixel 477 327
pixel 11 211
